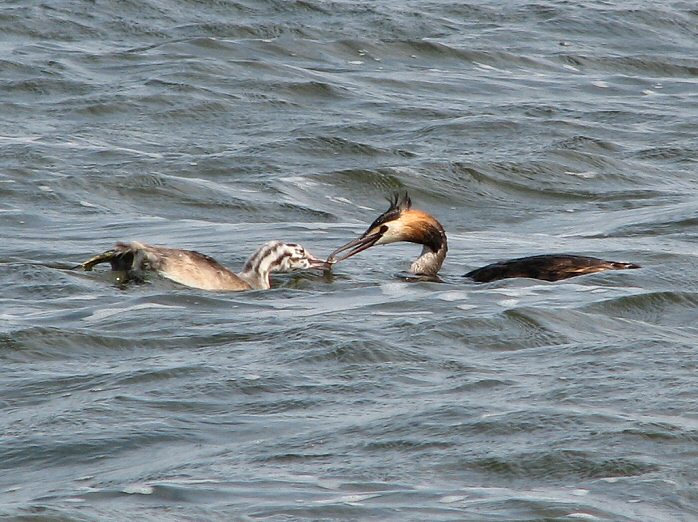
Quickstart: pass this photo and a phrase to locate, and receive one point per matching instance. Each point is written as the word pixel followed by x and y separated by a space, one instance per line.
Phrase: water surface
pixel 525 128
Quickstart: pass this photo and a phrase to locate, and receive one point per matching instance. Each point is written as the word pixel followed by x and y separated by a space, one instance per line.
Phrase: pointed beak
pixel 355 246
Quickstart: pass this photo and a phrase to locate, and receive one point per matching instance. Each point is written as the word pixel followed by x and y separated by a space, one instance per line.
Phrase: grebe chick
pixel 403 223
pixel 190 268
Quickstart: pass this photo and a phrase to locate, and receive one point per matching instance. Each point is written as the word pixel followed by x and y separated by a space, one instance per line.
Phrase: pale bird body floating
pixel 197 270
pixel 403 223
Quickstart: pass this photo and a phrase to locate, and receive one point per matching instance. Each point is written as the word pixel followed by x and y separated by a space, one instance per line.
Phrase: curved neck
pixel 258 267
pixel 256 279
pixel 432 257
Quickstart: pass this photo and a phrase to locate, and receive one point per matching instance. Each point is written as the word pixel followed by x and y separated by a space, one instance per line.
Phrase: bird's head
pixel 399 223
pixel 276 256
pixel 293 256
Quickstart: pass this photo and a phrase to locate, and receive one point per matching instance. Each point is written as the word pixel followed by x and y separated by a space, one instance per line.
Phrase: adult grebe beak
pixel 356 246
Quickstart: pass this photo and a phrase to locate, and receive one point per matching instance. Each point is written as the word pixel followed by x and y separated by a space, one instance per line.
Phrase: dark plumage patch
pixel 398 204
pixel 433 237
pixel 277 262
pixel 122 261
pixel 549 267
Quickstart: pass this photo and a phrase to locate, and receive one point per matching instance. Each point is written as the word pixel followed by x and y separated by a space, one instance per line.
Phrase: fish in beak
pixel 320 264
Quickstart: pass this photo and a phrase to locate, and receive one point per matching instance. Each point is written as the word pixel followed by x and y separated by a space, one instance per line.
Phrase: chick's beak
pixel 357 245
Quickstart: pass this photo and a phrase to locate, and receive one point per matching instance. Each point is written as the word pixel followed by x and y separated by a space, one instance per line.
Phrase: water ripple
pixel 217 126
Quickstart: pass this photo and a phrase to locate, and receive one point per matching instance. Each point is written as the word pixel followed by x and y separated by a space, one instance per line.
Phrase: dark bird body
pixel 548 267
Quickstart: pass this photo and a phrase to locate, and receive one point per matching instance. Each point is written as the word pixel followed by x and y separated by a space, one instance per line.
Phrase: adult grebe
pixel 403 223
pixel 197 270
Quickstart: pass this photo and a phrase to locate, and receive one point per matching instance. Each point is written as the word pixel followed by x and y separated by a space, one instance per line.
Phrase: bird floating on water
pixel 196 270
pixel 403 223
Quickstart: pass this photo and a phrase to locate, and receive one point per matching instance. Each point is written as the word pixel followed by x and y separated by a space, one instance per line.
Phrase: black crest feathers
pixel 398 204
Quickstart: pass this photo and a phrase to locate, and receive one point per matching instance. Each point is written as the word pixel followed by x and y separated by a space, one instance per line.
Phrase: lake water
pixel 525 127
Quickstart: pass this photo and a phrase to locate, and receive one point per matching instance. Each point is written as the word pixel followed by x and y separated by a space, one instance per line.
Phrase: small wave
pixel 672 308
pixel 361 352
pixel 561 464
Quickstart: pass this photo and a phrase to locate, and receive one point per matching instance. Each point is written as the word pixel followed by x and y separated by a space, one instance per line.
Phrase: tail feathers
pixel 615 265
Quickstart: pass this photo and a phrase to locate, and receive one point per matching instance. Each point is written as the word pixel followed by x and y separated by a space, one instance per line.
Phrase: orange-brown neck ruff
pixel 417 226
pixel 420 227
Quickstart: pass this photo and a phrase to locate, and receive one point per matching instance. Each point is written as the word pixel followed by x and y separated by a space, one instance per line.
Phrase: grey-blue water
pixel 525 127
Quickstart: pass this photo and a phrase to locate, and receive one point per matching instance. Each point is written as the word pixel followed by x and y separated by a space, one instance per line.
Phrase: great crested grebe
pixel 403 223
pixel 197 270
